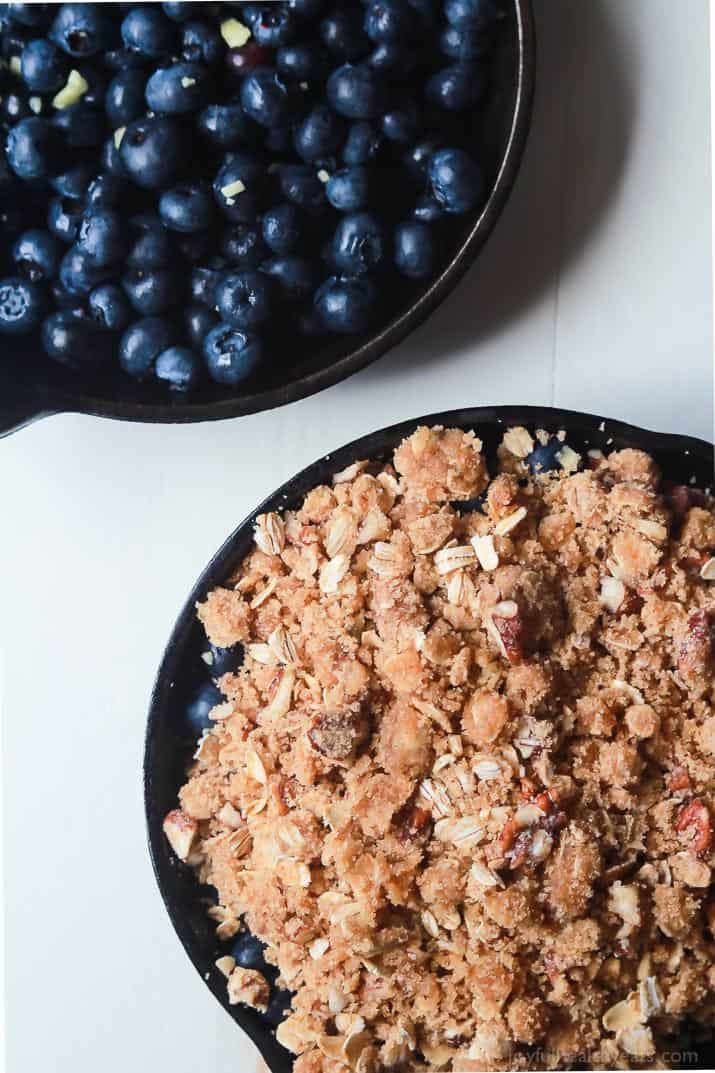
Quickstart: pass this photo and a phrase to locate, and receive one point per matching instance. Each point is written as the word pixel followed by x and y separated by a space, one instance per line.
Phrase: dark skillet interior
pixel 31 385
pixel 169 748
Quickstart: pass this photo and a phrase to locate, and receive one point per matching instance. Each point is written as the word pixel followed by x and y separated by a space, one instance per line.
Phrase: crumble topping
pixel 463 784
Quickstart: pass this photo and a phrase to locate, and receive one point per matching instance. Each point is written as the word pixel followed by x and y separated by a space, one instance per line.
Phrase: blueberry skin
pixel 152 249
pixel 188 207
pixel 355 91
pixel 124 98
pixel 104 192
pixel 393 58
pixel 295 277
pixel 543 458
pixel 22 304
pixel 151 291
pixel 43 67
pixel 359 244
pixel 141 344
pixel 348 190
pixel 199 321
pixel 477 13
pixel 416 159
pixel 81 30
pixel 37 255
pixel 201 43
pixel 205 698
pixel 223 125
pixel 248 952
pixel 456 88
pixel 148 31
pixel 282 229
pixel 469 506
pixel 388 20
pixel 342 32
pixel 108 306
pixel 414 249
pixel 111 162
pixel 239 206
pixel 462 43
pixel 265 97
pixel 74 183
pixel 274 26
pixel 306 9
pixel 179 11
pixel 301 186
pixel 35 149
pixel 427 210
pixel 178 89
pixel 362 144
pixel 232 355
pixel 304 61
pixel 456 180
pixel 15 106
pixel 402 124
pixel 243 245
pixel 29 14
pixel 152 151
pixel 243 299
pixel 223 660
pixel 179 367
pixel 346 306
pixel 75 341
pixel 319 135
pixel 82 125
pixel 64 216
pixel 102 236
pixel 204 281
pixel 78 274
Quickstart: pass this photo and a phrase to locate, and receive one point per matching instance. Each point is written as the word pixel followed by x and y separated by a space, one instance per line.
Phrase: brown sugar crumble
pixel 463 785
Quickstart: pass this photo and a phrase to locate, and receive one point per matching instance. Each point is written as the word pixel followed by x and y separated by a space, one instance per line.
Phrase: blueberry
pixel 81 30
pixel 302 186
pixel 343 33
pixel 206 697
pixel 179 367
pixel 469 506
pixel 152 249
pixel 478 13
pixel 456 180
pixel 356 91
pixel 306 9
pixel 462 43
pixel 15 106
pixel 33 15
pixel 414 249
pixel 199 321
pixel 401 124
pixel 75 341
pixel 152 290
pixel 178 89
pixel 346 306
pixel 274 26
pixel 74 183
pixel 111 161
pixel 104 192
pixel 243 245
pixel 79 274
pixel 282 230
pixel 310 323
pixel 124 99
pixel 394 58
pixel 241 61
pixel 37 255
pixel 359 244
pixel 43 67
pixel 223 125
pixel 238 185
pixel 179 11
pixel 64 216
pixel 349 189
pixel 319 135
pixel 22 304
pixel 122 59
pixel 456 88
pixel 83 126
pixel 296 277
pixel 223 660
pixel 279 1007
pixel 102 236
pixel 148 31
pixel 427 210
pixel 204 281
pixel 188 207
pixel 544 457
pixel 35 149
pixel 265 97
pixel 152 152
pixel 201 43
pixel 388 20
pixel 109 307
pixel 248 952
pixel 141 344
pixel 301 62
pixel 362 144
pixel 416 159
pixel 232 355
pixel 243 299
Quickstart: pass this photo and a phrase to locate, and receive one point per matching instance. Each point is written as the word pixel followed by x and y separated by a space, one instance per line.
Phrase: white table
pixel 594 293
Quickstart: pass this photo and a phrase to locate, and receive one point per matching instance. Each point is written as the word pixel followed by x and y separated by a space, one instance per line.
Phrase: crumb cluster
pixel 463 783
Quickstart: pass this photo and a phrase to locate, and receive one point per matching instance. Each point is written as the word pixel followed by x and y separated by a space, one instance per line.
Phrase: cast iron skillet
pixel 32 386
pixel 169 748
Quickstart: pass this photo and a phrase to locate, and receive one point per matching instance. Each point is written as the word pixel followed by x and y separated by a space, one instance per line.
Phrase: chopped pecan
pixel 679 779
pixel 509 625
pixel 696 647
pixel 696 815
pixel 413 823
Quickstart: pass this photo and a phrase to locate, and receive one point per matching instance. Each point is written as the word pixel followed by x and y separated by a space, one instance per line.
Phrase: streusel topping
pixel 463 783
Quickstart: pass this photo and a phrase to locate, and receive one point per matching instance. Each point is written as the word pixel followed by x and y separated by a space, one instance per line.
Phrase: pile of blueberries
pixel 181 180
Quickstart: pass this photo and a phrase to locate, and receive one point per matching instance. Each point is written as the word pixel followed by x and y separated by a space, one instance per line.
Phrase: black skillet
pixel 32 386
pixel 168 746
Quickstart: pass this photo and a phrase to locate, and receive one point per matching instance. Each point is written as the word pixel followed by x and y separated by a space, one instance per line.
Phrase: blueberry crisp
pixel 456 769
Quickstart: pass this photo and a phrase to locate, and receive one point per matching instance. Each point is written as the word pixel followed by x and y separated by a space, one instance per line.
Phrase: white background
pixel 595 292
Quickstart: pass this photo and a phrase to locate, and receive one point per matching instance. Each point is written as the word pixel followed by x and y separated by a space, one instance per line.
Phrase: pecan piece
pixel 696 815
pixel 337 734
pixel 413 823
pixel 508 623
pixel 679 779
pixel 696 647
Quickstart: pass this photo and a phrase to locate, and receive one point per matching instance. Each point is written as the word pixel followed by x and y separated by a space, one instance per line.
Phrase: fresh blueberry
pixel 79 274
pixel 428 210
pixel 477 13
pixel 243 299
pixel 32 15
pixel 43 67
pixel 282 230
pixel 152 151
pixel 199 321
pixel 109 307
pixel 238 62
pixel 147 30
pixel 346 306
pixel 301 62
pixel 463 43
pixel 201 43
pixel 75 341
pixel 362 144
pixel 356 91
pixel 301 185
pixel 402 123
pixel 274 26
pixel 35 149
pixel 179 367
pixel 544 457
pixel 204 281
pixel 141 344
pixel 37 255
pixel 279 1007
pixel 188 207
pixel 343 33
pixel 393 58
pixel 319 135
pixel 22 304
pixel 223 660
pixel 223 125
pixel 204 700
pixel 243 245
pixel 456 88
pixel 469 506
pixel 64 216
pixel 104 192
pixel 456 180
pixel 124 99
pixel 102 236
pixel 111 161
pixel 349 189
pixel 15 106
pixel 416 159
pixel 81 30
pixel 306 9
pixel 83 127
pixel 265 97
pixel 238 185
pixel 248 952
pixel 388 20
pixel 180 11
pixel 359 244
pixel 414 249
pixel 152 290
pixel 295 277
pixel 232 355
pixel 74 183
pixel 153 247
pixel 178 89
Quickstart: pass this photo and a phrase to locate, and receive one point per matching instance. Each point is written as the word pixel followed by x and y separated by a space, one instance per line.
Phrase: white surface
pixel 595 292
